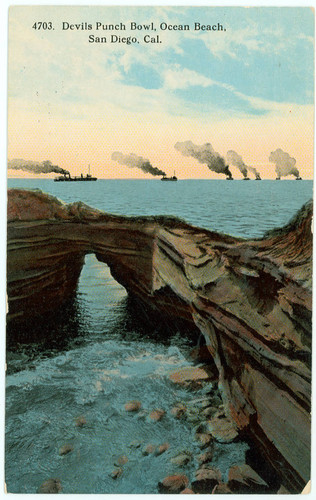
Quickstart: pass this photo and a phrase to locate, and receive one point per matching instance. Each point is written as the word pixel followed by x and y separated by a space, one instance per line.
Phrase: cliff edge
pixel 251 300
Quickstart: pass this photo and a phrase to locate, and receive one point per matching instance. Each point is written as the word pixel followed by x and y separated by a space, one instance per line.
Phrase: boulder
pixel 80 421
pixel 181 459
pixel 50 486
pixel 157 415
pixel 191 374
pixel 135 444
pixel 221 489
pixel 178 411
pixel 205 457
pixel 210 411
pixel 64 450
pixel 187 491
pixel 206 480
pixel 148 449
pixel 222 428
pixel 243 479
pixel 204 440
pixel 173 484
pixel 162 448
pixel 116 473
pixel 133 405
pixel 121 460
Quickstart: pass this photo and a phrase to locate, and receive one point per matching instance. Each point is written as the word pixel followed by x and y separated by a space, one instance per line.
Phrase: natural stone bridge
pixel 251 299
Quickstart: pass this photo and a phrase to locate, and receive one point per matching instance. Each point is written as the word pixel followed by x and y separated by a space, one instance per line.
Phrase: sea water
pixel 97 353
pixel 240 208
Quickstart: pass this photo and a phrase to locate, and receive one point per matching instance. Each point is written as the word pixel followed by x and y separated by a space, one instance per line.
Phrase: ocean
pixel 97 353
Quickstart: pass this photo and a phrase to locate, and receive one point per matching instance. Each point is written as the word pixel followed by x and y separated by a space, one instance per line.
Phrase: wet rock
pixel 206 480
pixel 173 484
pixel 205 403
pixel 221 489
pixel 199 403
pixel 133 405
pixel 80 421
pixel 135 444
pixel 191 374
pixel 194 385
pixel 243 479
pixel 210 411
pixel 201 428
pixel 116 473
pixel 157 415
pixel 187 491
pixel 206 465
pixel 162 448
pixel 50 486
pixel 148 449
pixel 222 428
pixel 121 460
pixel 64 450
pixel 201 353
pixel 283 491
pixel 178 411
pixel 181 459
pixel 205 457
pixel 204 440
pixel 217 402
pixel 194 416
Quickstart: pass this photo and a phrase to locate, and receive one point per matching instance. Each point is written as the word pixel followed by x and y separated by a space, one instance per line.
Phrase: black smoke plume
pixel 45 167
pixel 204 154
pixel 135 161
pixel 254 171
pixel 284 163
pixel 235 159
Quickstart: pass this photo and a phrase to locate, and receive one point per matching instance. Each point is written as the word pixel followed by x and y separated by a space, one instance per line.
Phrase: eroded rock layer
pixel 251 299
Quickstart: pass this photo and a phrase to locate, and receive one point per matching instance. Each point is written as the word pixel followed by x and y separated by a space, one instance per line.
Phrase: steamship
pixel 173 178
pixel 66 177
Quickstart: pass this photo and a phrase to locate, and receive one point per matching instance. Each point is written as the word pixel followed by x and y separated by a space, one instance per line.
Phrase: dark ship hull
pixel 169 179
pixel 68 178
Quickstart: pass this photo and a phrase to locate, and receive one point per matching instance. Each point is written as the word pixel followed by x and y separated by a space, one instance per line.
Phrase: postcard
pixel 159 249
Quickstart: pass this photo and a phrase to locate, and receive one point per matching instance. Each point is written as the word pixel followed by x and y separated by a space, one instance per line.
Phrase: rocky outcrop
pixel 250 299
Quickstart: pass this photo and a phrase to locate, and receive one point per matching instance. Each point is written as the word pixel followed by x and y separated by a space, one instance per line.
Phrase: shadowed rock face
pixel 250 299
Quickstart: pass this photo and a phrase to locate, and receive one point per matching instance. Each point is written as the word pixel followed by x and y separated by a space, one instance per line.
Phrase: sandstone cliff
pixel 251 299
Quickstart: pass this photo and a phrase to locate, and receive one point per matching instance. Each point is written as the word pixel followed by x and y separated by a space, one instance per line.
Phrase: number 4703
pixel 42 25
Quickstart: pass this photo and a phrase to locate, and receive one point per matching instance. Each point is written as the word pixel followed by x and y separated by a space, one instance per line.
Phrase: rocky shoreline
pixel 250 300
pixel 201 415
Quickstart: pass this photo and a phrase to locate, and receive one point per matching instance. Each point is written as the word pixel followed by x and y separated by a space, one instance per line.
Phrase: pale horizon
pixel 249 89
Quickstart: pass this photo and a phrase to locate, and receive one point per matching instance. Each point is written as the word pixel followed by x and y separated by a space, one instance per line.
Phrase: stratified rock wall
pixel 250 299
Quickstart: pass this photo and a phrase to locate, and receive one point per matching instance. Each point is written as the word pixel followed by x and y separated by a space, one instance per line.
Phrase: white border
pixel 4 6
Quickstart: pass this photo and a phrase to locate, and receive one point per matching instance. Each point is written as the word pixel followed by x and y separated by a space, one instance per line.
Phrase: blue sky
pixel 265 53
pixel 257 75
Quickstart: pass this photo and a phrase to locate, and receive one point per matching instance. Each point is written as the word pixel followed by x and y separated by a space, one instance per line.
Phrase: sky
pixel 248 88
